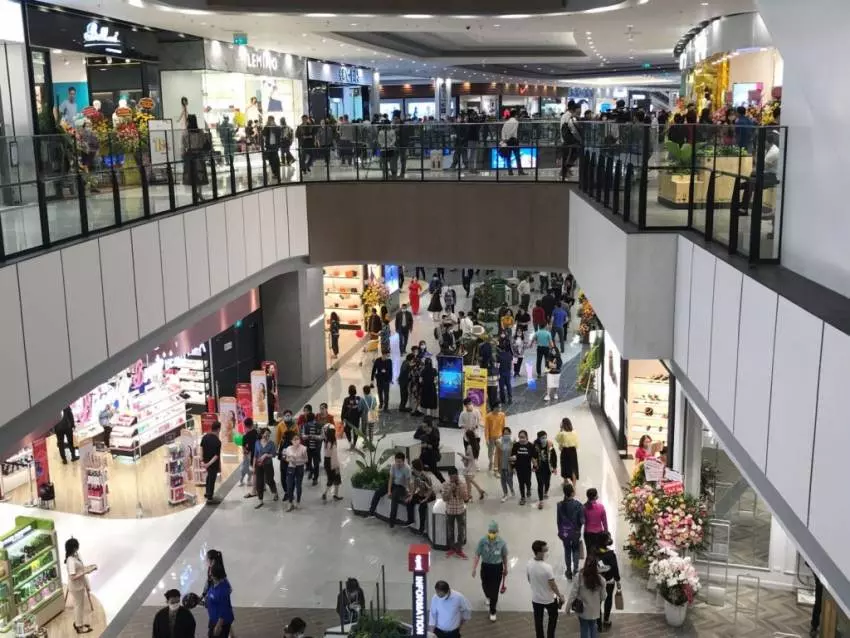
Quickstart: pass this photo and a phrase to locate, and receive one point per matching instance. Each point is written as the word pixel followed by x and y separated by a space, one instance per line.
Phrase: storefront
pixel 137 433
pixel 636 398
pixel 351 291
pixel 731 62
pixel 338 90
pixel 236 82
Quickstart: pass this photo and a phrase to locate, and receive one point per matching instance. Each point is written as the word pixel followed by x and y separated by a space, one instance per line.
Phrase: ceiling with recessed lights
pixel 574 45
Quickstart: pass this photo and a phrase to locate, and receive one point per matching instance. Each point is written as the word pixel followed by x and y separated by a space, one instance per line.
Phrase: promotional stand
pixel 175 471
pixel 450 388
pixel 96 488
pixel 419 562
pixel 475 387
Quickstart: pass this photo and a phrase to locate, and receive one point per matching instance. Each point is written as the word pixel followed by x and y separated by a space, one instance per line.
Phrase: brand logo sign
pixel 98 36
pixel 264 61
pixel 348 75
pixel 419 609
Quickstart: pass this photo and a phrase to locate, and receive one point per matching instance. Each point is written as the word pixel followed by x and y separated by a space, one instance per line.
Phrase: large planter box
pixel 724 183
pixel 674 189
pixel 361 500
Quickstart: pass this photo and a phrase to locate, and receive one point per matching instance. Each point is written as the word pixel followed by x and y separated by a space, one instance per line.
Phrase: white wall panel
pixel 268 237
pixel 724 341
pixel 197 256
pixel 14 390
pixel 147 263
pixel 682 312
pixel 45 325
pixel 217 248
pixel 119 291
pixel 253 247
pixel 828 520
pixel 235 240
pixel 296 202
pixel 84 304
pixel 175 278
pixel 755 367
pixel 793 403
pixel 699 334
pixel 281 223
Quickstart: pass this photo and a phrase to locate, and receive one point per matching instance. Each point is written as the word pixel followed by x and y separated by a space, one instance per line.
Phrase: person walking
pixel 589 588
pixel 505 359
pixel 413 292
pixel 596 521
pixel 305 134
pixel 64 431
pixel 384 335
pixel 449 299
pixel 504 463
pixel 428 388
pixel 368 411
pixel 333 331
pixel 296 460
pixel 469 422
pixel 538 315
pixel 264 451
pixel 404 375
pixel 547 464
pixel 219 607
pixel 429 453
pixel 494 425
pixel 271 146
pixel 524 458
pixel 470 467
pixel 398 487
pixel 466 280
pixel 523 323
pixel 351 416
pixel 173 620
pixel 492 553
pixel 311 435
pixel 609 569
pixel 455 496
pixel 331 462
pixel 284 434
pixel 543 339
pixel 567 441
pixel 518 350
pixel 382 376
pixel 78 583
pixel 553 373
pixel 524 290
pixel 449 611
pixel 211 460
pixel 545 595
pixel 559 323
pixel 249 438
pixel 570 519
pixel 421 493
pixel 403 327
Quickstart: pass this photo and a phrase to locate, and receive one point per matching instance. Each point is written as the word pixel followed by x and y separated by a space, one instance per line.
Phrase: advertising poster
pixel 244 405
pixel 228 411
pixel 160 136
pixel 207 420
pixel 39 459
pixel 451 377
pixel 475 387
pixel 84 453
pixel 611 366
pixel 259 398
pixel 270 368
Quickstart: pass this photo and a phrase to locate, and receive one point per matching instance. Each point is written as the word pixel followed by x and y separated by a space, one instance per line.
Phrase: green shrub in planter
pixel 385 627
pixel 370 478
pixel 369 475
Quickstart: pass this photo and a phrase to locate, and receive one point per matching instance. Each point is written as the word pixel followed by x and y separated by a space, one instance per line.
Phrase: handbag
pixel 372 415
pixel 618 600
pixel 578 603
pixel 582 554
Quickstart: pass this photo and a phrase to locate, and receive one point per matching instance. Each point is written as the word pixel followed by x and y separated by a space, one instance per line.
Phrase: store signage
pixel 20 534
pixel 348 75
pixel 240 38
pixel 338 74
pixel 245 405
pixel 96 36
pixel 419 561
pixel 207 420
pixel 39 459
pixel 262 60
pixel 228 410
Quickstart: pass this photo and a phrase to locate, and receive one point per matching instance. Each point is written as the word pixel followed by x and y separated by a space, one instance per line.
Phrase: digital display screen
pixel 451 377
pixel 391 277
pixel 527 156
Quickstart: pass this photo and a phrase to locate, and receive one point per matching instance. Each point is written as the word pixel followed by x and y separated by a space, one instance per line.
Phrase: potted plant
pixel 678 582
pixel 370 476
pixel 674 181
pixel 379 627
pixel 590 362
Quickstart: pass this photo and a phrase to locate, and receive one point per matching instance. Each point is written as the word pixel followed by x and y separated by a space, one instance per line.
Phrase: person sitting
pixel 350 601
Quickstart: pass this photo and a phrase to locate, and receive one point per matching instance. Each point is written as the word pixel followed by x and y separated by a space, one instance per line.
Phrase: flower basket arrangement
pixel 587 318
pixel 590 362
pixel 376 294
pixel 678 582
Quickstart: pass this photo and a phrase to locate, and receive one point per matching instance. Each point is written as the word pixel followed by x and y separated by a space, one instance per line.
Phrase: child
pixel 553 373
pixel 469 465
pixel 504 464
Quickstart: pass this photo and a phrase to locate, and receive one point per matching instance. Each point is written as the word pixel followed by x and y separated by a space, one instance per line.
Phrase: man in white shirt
pixel 470 421
pixel 466 325
pixel 510 139
pixel 570 140
pixel 524 290
pixel 545 594
pixel 449 611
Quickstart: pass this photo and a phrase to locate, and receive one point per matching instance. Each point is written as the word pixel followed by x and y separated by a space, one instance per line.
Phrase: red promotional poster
pixel 673 487
pixel 207 419
pixel 39 457
pixel 270 368
pixel 244 407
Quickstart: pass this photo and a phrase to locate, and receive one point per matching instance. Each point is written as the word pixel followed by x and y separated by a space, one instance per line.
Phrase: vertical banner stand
pixel 31 472
pixel 137 455
pixel 419 562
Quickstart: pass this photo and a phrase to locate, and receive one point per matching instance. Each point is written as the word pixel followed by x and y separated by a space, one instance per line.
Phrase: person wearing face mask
pixel 295 628
pixel 296 460
pixel 524 458
pixel 494 425
pixel 547 464
pixel 469 422
pixel 263 466
pixel 350 601
pixel 545 595
pixel 492 553
pixel 284 433
pixel 173 620
pixel 429 453
pixel 448 612
pixel 505 466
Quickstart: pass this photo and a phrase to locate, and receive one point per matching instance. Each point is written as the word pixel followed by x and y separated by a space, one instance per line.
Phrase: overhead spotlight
pixel 320 15
pixel 417 16
pixel 515 16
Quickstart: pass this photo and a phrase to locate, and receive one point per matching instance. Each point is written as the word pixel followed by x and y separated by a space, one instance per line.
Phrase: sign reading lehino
pixel 338 73
pixel 234 58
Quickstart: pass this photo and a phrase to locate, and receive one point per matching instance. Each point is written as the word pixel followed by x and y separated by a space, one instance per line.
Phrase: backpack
pixel 567 529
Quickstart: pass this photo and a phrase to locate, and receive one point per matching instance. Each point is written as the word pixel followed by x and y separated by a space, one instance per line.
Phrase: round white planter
pixel 675 614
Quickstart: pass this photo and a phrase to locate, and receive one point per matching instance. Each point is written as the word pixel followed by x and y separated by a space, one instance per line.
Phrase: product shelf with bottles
pixel 648 402
pixel 149 417
pixel 97 483
pixel 30 576
pixel 175 473
pixel 343 287
pixel 193 374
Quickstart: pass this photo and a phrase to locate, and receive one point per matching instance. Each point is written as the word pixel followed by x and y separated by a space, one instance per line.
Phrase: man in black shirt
pixel 524 458
pixel 403 326
pixel 211 458
pixel 173 621
pixel 382 376
pixel 249 439
pixel 65 435
pixel 312 436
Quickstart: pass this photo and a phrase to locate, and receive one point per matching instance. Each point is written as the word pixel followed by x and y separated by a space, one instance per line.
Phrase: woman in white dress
pixel 78 583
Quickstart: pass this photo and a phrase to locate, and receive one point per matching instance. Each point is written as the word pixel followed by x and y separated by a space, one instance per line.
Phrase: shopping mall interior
pixel 610 233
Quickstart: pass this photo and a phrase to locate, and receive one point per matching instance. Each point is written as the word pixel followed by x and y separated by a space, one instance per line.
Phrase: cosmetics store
pixel 344 288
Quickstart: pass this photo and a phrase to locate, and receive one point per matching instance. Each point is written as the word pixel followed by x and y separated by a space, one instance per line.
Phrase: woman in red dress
pixel 413 293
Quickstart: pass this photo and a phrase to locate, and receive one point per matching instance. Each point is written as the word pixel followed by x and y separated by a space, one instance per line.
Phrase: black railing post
pixel 248 165
pixel 757 196
pixel 692 183
pixel 172 197
pixel 264 156
pixel 709 206
pixel 81 198
pixel 627 192
pixel 143 177
pixel 734 216
pixel 643 186
pixel 536 155
pixel 233 172
pixel 116 193
pixel 42 212
pixel 214 177
pixel 591 174
pixel 327 154
pixel 600 179
pixel 609 181
pixel 618 168
pixel 193 178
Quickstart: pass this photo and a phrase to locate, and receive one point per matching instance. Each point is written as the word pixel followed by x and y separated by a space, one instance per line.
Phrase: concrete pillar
pixel 448 101
pixel 294 327
pixel 375 95
pixel 438 96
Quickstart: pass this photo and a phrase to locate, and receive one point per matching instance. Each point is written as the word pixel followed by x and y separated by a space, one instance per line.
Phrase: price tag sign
pixel 673 487
pixel 673 475
pixel 653 470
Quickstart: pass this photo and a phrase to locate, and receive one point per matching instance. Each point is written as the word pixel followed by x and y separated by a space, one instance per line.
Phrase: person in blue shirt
pixel 543 338
pixel 264 453
pixel 744 129
pixel 219 609
pixel 560 317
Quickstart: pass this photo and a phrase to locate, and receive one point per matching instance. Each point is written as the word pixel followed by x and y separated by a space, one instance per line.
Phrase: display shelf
pixel 30 561
pixel 150 435
pixel 43 603
pixel 35 574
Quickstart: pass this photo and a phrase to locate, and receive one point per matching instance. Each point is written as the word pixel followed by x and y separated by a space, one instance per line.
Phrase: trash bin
pixel 437 524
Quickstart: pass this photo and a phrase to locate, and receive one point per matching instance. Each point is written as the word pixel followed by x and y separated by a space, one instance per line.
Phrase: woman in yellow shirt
pixel 567 441
pixel 494 424
pixel 508 320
